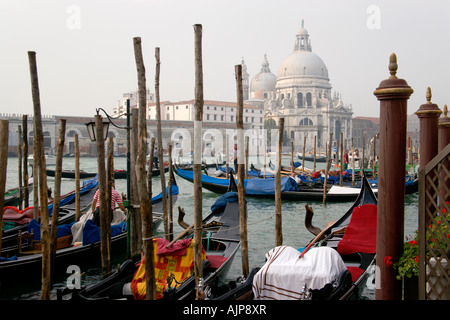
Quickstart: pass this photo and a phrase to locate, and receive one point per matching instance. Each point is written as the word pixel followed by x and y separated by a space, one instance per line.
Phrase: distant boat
pixel 49 160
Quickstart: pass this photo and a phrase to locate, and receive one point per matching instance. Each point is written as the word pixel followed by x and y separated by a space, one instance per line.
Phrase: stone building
pixel 301 94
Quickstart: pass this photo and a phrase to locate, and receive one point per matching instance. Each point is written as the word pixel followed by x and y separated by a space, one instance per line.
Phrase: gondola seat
pixel 360 238
pixel 176 262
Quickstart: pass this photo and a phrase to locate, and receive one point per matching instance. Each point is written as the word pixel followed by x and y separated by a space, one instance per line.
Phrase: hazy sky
pixel 85 52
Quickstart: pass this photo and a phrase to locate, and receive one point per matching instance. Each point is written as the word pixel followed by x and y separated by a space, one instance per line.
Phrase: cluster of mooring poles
pixel 392 93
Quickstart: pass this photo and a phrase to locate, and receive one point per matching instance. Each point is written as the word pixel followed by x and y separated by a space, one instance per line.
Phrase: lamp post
pixel 91 130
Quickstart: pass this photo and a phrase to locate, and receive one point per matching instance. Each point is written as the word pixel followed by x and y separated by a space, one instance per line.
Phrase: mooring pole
pixel 392 94
pixel 240 173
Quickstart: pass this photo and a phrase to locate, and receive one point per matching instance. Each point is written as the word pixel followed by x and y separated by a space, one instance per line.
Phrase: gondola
pixel 265 188
pixel 311 158
pixel 118 174
pixel 333 266
pixel 12 196
pixel 18 220
pixel 27 264
pixel 221 241
pixel 344 252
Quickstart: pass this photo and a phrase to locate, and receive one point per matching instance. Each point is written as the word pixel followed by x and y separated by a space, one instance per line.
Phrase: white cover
pixel 283 275
pixel 77 227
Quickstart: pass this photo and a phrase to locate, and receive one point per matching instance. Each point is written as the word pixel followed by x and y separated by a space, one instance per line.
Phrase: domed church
pixel 301 94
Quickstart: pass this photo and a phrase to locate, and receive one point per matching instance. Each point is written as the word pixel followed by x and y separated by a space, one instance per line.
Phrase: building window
pixel 168 117
pixel 299 99
pixel 207 117
pixel 232 118
pixel 215 117
pixel 187 107
pixel 207 107
pixel 309 99
pixel 221 118
pixel 176 107
pixel 306 122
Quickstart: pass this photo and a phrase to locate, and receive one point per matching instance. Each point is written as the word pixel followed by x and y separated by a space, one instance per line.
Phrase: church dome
pixel 303 62
pixel 264 80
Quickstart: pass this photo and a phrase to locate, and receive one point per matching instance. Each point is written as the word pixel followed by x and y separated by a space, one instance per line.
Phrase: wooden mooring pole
pixel 160 145
pixel 393 94
pixel 19 169
pixel 197 163
pixel 241 168
pixel 77 178
pixel 57 190
pixel 102 189
pixel 39 161
pixel 26 191
pixel 4 132
pixel 144 196
pixel 278 222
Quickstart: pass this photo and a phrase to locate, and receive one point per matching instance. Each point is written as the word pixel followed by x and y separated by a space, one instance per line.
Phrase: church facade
pixel 301 93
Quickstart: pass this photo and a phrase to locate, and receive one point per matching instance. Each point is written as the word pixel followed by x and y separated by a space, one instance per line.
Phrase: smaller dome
pixel 264 80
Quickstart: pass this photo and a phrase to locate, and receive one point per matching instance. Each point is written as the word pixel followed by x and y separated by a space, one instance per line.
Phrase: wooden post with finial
pixel 393 94
pixel 428 115
pixel 444 140
pixel 444 130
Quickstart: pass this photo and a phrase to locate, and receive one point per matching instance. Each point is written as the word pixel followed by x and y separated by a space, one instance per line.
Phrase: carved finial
pixel 428 95
pixel 445 111
pixel 393 66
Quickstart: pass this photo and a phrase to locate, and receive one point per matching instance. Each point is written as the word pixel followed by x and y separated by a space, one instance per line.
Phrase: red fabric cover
pixel 355 272
pixel 361 232
pixel 215 260
pixel 13 214
pixel 177 249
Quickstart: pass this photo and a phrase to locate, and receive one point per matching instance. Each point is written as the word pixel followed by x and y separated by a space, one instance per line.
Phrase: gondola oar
pixel 318 237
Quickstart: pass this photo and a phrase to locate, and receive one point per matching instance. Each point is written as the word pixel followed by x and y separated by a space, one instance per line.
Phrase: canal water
pixel 261 223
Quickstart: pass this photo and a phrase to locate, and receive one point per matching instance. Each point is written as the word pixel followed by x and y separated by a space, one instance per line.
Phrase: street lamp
pixel 91 130
pixel 91 125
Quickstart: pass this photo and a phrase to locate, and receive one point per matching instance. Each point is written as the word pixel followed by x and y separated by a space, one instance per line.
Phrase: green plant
pixel 437 236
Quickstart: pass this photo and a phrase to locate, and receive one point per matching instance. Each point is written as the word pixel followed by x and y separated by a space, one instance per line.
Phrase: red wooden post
pixel 392 94
pixel 443 141
pixel 428 114
pixel 444 130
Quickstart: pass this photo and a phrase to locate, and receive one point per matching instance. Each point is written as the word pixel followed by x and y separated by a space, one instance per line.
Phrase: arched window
pixel 309 99
pixel 299 99
pixel 306 122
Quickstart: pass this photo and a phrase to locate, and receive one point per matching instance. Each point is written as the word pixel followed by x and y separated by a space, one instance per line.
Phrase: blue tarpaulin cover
pixel 63 230
pixel 267 186
pixel 224 199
